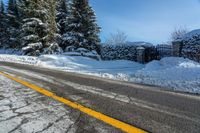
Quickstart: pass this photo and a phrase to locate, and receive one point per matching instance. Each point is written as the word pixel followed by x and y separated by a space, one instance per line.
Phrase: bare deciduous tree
pixel 117 38
pixel 178 33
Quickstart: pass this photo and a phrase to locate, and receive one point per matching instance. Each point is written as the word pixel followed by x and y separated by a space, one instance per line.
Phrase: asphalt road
pixel 150 108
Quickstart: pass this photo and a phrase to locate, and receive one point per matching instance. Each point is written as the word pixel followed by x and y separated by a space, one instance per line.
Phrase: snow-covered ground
pixel 171 72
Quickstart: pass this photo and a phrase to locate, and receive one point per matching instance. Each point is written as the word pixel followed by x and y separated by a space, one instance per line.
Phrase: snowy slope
pixel 191 34
pixel 171 72
pixel 120 69
pixel 177 73
pixel 19 59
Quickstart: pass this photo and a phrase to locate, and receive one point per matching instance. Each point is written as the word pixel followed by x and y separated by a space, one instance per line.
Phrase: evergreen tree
pixel 12 7
pixel 82 29
pixel 2 8
pixel 39 27
pixel 62 15
pixel 13 24
pixel 3 27
pixel 53 36
pixel 92 30
pixel 62 19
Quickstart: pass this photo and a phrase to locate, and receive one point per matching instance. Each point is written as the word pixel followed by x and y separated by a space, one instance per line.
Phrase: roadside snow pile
pixel 171 72
pixel 19 59
pixel 83 52
pixel 85 65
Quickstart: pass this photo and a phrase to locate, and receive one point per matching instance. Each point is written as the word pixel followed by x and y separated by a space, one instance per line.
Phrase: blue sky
pixel 146 20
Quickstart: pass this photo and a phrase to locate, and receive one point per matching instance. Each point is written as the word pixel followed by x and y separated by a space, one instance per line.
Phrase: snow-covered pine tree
pixel 83 30
pixel 2 7
pixel 61 16
pixel 34 29
pixel 52 46
pixel 2 30
pixel 13 24
pixel 39 27
pixel 3 27
pixel 92 29
pixel 62 19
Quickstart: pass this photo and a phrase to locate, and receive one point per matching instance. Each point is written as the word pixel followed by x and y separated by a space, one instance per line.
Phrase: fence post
pixel 177 48
pixel 141 54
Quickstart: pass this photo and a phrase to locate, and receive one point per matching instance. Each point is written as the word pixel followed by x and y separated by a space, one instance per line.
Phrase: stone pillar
pixel 141 54
pixel 177 48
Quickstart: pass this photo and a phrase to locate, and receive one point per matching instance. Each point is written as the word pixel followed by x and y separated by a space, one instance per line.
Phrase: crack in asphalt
pixel 46 128
pixel 76 121
pixel 18 115
pixel 24 121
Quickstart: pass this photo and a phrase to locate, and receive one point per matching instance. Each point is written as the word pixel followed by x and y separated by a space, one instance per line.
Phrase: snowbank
pixel 88 65
pixel 19 59
pixel 171 72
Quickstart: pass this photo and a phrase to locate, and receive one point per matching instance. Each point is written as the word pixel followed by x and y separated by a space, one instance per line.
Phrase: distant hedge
pixel 126 52
pixel 191 48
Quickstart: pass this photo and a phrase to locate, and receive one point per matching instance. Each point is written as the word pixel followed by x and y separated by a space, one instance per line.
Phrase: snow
pixel 191 34
pixel 82 50
pixel 33 21
pixel 177 73
pixel 147 44
pixel 32 46
pixel 171 72
pixel 87 65
pixel 31 37
pixel 19 59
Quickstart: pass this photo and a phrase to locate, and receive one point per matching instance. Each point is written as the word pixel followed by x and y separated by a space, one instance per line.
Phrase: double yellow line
pixel 111 121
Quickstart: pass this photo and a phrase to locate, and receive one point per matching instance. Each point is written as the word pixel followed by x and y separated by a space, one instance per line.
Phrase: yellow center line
pixel 109 120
